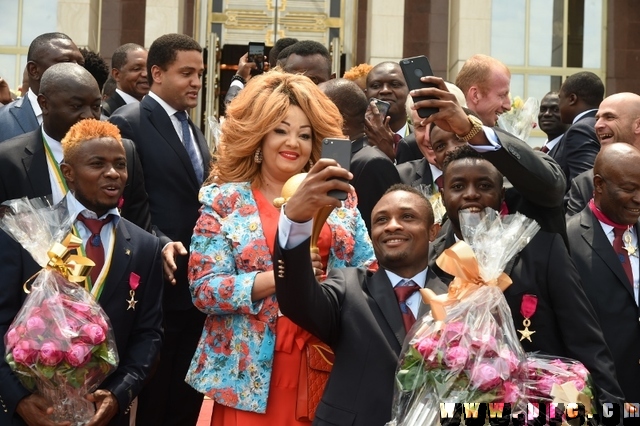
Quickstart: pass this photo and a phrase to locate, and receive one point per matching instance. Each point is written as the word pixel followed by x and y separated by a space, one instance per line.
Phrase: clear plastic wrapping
pixel 521 119
pixel 60 344
pixel 466 350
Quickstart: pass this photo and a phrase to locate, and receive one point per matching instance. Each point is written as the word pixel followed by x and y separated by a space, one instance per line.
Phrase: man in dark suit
pixel 29 163
pixel 129 70
pixel 550 121
pixel 136 320
pixel 357 311
pixel 610 269
pixel 578 99
pixel 307 57
pixel 373 172
pixel 24 115
pixel 618 120
pixel 175 159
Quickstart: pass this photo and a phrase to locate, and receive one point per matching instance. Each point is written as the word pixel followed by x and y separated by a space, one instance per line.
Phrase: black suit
pixel 172 185
pixel 415 173
pixel 577 149
pixel 138 332
pixel 112 103
pixel 407 149
pixel 373 173
pixel 24 173
pixel 355 312
pixel 580 193
pixel 609 291
pixel 538 182
pixel 565 323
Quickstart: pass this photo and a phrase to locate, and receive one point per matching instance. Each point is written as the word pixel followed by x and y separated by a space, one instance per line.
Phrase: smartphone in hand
pixel 339 150
pixel 413 69
pixel 256 54
pixel 383 106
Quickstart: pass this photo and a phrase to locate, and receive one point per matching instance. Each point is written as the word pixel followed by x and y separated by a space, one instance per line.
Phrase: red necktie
pixel 396 139
pixel 94 248
pixel 440 181
pixel 623 255
pixel 403 291
pixel 544 149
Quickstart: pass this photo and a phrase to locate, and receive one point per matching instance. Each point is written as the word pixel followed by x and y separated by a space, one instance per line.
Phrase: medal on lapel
pixel 134 282
pixel 528 308
pixel 628 246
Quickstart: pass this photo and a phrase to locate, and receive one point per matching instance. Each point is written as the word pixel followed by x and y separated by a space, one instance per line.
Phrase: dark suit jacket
pixel 408 149
pixel 16 118
pixel 138 332
pixel 373 173
pixel 608 289
pixel 565 323
pixel 112 103
pixel 169 180
pixel 580 193
pixel 415 173
pixel 356 313
pixel 24 173
pixel 538 182
pixel 576 151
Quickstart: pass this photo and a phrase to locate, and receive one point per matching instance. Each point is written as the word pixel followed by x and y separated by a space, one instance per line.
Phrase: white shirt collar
pixel 553 142
pixel 579 116
pixel 435 172
pixel 168 108
pixel 127 98
pixel 54 145
pixel 403 132
pixel 33 99
pixel 76 208
pixel 419 278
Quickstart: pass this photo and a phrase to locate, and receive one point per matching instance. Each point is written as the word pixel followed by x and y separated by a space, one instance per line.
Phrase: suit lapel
pixel 381 291
pixel 25 116
pixel 122 252
pixel 595 237
pixel 35 165
pixel 162 122
pixel 204 148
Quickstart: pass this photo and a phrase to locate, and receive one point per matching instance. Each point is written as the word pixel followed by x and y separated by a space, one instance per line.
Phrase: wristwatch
pixel 476 127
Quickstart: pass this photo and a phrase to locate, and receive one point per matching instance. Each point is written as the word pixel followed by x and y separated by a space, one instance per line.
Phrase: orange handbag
pixel 315 367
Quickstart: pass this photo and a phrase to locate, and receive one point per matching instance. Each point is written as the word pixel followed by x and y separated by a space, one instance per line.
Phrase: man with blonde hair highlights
pixel 485 81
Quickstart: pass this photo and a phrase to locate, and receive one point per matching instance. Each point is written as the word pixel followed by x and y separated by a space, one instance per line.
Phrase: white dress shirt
pixel 33 99
pixel 57 193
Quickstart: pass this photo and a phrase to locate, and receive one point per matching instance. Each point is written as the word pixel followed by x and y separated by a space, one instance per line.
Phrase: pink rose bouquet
pixel 466 350
pixel 561 380
pixel 60 344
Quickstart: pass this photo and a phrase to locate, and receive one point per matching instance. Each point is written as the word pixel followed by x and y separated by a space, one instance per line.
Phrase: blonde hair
pixel 259 108
pixel 358 71
pixel 86 130
pixel 477 71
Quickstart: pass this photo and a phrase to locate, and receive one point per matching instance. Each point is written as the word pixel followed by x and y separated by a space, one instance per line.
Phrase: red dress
pixel 290 341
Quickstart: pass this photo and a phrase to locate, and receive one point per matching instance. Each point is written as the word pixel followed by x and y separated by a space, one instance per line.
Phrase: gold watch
pixel 476 127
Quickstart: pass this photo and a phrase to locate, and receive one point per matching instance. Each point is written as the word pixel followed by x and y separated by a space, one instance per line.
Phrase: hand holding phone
pixel 339 150
pixel 256 55
pixel 413 69
pixel 383 106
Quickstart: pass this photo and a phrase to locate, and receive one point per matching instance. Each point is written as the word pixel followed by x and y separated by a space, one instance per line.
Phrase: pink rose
pixel 50 353
pixel 544 385
pixel 11 338
pixel 35 326
pixel 484 343
pixel 456 357
pixel 580 370
pixel 559 364
pixel 92 333
pixel 485 377
pixel 454 331
pixel 78 355
pixel 579 384
pixel 508 362
pixel 511 392
pixel 427 346
pixel 25 352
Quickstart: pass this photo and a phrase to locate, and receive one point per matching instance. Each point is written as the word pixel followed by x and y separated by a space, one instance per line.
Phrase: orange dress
pixel 290 341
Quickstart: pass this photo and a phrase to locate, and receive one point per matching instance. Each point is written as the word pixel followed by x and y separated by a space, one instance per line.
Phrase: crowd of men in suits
pixel 582 187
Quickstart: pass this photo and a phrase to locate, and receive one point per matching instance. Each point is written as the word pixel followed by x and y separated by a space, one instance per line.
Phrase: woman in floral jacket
pixel 249 355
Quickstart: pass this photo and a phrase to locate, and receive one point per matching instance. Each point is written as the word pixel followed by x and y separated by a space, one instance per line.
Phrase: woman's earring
pixel 310 164
pixel 257 157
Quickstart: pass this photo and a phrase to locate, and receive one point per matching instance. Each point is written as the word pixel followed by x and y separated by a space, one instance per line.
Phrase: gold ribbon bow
pixel 73 267
pixel 459 261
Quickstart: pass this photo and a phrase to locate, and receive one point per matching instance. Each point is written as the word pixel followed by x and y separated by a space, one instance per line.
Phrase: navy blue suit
pixel 16 118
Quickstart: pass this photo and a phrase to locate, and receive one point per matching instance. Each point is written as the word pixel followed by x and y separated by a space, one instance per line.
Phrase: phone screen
pixel 413 69
pixel 256 54
pixel 383 106
pixel 339 150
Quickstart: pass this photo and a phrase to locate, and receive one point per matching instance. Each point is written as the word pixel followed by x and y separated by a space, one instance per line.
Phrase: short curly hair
pixel 86 130
pixel 358 71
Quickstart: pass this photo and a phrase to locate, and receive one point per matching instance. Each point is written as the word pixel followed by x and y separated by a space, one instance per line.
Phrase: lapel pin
pixel 127 252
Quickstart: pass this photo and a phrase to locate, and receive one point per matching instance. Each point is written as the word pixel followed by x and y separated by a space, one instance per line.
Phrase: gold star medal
pixel 134 282
pixel 628 246
pixel 528 308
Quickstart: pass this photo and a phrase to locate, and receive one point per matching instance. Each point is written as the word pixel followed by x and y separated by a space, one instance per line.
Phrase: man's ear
pixel 156 74
pixel 42 101
pixel 32 70
pixel 115 73
pixel 433 231
pixel 503 191
pixel 573 99
pixel 67 172
pixel 473 95
pixel 597 184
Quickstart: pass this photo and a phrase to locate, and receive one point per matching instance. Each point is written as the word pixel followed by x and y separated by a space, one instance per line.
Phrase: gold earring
pixel 257 157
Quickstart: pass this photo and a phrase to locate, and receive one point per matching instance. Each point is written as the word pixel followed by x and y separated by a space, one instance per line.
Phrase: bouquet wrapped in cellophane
pixel 521 118
pixel 552 379
pixel 60 344
pixel 466 350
